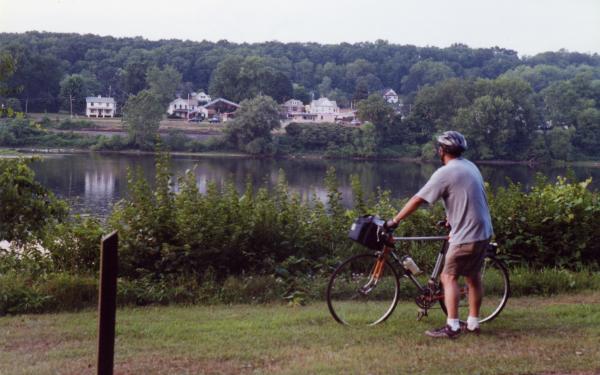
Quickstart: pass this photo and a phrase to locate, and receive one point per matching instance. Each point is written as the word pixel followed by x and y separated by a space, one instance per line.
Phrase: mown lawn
pixel 559 334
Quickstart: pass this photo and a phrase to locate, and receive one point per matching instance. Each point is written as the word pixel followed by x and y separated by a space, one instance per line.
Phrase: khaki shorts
pixel 465 259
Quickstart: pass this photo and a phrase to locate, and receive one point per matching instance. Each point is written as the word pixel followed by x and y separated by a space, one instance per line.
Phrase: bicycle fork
pixel 376 272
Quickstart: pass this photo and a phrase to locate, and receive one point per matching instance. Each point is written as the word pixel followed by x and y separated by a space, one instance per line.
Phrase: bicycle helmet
pixel 452 142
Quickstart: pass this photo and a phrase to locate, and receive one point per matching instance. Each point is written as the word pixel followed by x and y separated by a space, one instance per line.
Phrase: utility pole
pixel 26 103
pixel 188 107
pixel 71 104
pixel 109 90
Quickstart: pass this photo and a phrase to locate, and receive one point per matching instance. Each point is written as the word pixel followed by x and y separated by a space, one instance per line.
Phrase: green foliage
pixel 75 88
pixel 237 78
pixel 552 225
pixel 142 114
pixel 336 140
pixel 163 83
pixel 426 72
pixel 224 246
pixel 378 112
pixel 28 208
pixel 250 130
pixel 73 246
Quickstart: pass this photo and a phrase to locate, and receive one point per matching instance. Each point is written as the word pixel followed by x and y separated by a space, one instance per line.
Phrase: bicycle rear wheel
pixel 363 291
pixel 496 291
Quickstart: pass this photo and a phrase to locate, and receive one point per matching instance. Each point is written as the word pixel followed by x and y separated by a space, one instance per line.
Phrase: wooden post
pixel 107 303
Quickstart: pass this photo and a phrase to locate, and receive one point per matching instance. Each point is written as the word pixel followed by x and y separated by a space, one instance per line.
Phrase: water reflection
pixel 94 182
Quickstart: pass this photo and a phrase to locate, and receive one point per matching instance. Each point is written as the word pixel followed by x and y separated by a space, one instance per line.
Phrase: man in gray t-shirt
pixel 460 186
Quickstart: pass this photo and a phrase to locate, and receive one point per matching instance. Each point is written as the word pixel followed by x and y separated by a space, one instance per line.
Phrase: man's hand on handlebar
pixel 390 224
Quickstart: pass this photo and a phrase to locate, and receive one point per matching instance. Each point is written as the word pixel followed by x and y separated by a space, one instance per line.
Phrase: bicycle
pixel 365 288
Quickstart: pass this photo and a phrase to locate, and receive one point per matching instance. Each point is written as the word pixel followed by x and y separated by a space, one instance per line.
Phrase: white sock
pixel 453 323
pixel 472 322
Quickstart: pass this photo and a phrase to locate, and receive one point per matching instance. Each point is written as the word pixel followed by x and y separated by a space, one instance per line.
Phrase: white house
pixel 293 106
pixel 323 110
pixel 390 96
pixel 189 108
pixel 182 107
pixel 97 106
pixel 323 106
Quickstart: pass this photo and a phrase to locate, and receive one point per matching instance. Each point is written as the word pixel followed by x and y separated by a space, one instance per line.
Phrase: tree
pixel 496 128
pixel 377 111
pixel 7 69
pixel 163 83
pixel 133 77
pixel 37 76
pixel 301 94
pixel 250 130
pixel 238 78
pixel 74 89
pixel 28 208
pixel 427 72
pixel 587 132
pixel 224 79
pixel 142 114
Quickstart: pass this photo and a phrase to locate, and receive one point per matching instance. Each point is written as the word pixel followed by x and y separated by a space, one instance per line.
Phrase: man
pixel 460 185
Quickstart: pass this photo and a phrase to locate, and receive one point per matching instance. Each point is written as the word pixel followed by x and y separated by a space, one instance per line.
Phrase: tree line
pixel 343 72
pixel 538 107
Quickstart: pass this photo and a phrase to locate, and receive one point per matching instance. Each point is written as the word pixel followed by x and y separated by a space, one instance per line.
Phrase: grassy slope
pixel 534 335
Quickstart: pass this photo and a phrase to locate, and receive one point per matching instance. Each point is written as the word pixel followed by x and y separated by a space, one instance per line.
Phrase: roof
pixel 221 100
pixel 99 99
pixel 189 102
pixel 293 102
pixel 323 102
pixel 388 91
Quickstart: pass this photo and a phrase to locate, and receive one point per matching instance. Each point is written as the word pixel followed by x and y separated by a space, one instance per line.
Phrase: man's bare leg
pixel 452 327
pixel 451 294
pixel 475 293
pixel 475 297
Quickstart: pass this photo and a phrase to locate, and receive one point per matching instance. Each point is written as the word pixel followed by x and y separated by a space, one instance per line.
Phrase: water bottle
pixel 409 264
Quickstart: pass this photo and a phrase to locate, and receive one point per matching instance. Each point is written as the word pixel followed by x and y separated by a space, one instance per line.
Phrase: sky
pixel 527 26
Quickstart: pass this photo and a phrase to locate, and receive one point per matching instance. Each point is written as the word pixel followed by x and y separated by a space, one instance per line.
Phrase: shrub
pixel 555 224
pixel 74 245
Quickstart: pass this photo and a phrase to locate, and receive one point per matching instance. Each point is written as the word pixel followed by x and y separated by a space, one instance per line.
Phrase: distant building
pixel 222 109
pixel 182 107
pixel 323 106
pixel 293 106
pixel 390 96
pixel 201 98
pixel 97 106
pixel 325 110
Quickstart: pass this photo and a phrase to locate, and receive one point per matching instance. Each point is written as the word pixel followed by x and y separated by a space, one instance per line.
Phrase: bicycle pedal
pixel 420 314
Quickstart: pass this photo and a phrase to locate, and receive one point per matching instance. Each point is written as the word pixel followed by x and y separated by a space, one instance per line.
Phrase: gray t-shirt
pixel 460 185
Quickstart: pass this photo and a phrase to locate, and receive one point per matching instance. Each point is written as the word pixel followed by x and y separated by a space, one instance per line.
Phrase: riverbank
pixel 557 334
pixel 297 156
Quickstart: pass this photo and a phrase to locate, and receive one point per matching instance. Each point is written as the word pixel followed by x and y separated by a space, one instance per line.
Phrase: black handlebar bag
pixel 366 232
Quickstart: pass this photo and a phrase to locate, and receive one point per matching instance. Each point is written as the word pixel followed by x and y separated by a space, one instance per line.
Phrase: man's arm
pixel 408 209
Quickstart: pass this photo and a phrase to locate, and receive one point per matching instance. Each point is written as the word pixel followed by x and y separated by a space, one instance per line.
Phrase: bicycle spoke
pixel 360 293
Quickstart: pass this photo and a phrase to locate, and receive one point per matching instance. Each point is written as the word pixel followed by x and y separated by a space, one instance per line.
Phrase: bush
pixel 70 124
pixel 555 224
pixel 74 245
pixel 66 291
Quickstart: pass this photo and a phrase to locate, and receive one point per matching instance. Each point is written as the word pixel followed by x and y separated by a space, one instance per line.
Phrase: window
pixel 92 104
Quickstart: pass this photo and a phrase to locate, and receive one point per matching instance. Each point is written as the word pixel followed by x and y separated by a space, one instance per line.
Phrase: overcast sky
pixel 527 26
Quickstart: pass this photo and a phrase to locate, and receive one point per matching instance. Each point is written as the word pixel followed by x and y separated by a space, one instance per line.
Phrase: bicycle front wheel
pixel 363 290
pixel 496 290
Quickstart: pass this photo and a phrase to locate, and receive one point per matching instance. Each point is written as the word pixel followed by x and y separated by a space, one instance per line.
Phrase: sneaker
pixel 443 333
pixel 465 329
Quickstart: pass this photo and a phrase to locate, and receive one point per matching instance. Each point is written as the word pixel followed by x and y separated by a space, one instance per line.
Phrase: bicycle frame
pixel 437 269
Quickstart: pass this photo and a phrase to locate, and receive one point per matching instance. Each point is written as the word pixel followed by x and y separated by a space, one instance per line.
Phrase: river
pixel 93 182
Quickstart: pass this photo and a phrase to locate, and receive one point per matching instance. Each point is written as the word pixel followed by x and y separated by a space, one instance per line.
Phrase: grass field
pixel 551 335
